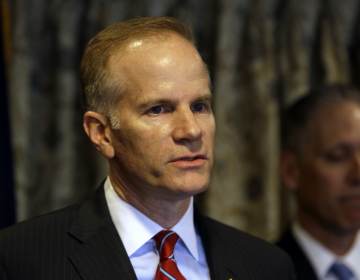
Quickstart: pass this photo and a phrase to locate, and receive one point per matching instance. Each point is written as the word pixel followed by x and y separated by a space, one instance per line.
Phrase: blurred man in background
pixel 320 163
pixel 148 112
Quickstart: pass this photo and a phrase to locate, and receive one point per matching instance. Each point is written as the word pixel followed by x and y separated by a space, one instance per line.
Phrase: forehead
pixel 143 54
pixel 333 123
pixel 153 64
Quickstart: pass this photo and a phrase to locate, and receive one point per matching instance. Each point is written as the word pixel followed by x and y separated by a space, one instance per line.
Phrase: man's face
pixel 328 169
pixel 164 142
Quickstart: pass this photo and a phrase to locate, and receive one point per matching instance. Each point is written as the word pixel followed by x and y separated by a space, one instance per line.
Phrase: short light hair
pixel 296 117
pixel 99 92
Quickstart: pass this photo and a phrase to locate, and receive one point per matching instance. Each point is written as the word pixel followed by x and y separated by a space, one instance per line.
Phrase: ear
pixel 289 170
pixel 97 128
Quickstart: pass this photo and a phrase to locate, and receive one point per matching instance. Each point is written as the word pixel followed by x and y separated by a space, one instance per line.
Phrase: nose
pixel 186 127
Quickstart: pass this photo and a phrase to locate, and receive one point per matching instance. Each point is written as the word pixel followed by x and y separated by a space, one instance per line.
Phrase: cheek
pixel 156 137
pixel 209 128
pixel 322 185
pixel 333 178
pixel 129 144
pixel 212 130
pixel 146 144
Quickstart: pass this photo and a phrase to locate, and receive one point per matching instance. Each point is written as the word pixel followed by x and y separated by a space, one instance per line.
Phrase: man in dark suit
pixel 148 112
pixel 320 163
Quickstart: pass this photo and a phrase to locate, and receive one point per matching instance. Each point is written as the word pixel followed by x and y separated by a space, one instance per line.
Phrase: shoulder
pixel 56 222
pixel 303 267
pixel 37 229
pixel 259 256
pixel 40 242
pixel 287 241
pixel 42 246
pixel 235 237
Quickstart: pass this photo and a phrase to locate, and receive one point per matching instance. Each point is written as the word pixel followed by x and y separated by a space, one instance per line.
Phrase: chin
pixel 188 187
pixel 183 184
pixel 193 189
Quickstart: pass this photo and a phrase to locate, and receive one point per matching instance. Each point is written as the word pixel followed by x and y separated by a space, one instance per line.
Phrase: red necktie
pixel 167 269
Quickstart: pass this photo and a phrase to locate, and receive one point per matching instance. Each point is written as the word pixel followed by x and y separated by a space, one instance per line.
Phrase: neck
pixel 165 210
pixel 337 241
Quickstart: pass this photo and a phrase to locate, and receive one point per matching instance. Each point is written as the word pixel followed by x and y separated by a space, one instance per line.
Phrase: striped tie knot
pixel 165 243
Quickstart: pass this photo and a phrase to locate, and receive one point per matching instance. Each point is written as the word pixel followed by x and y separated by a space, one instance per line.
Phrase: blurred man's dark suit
pixel 303 267
pixel 81 242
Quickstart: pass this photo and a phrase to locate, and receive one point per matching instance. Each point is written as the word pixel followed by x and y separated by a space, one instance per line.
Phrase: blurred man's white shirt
pixel 322 258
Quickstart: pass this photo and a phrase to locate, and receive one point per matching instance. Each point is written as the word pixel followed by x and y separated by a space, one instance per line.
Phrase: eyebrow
pixel 343 145
pixel 148 103
pixel 206 97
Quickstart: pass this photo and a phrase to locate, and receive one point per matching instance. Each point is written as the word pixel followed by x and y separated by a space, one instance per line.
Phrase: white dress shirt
pixel 136 231
pixel 322 258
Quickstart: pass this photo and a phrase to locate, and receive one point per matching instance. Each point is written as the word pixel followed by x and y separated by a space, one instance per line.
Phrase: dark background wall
pixel 262 55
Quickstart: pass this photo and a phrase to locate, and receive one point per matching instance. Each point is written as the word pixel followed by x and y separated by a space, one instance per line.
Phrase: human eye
pixel 337 155
pixel 201 107
pixel 158 109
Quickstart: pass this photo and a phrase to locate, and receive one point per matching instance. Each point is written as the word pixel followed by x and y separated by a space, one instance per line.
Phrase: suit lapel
pixel 98 252
pixel 223 265
pixel 303 267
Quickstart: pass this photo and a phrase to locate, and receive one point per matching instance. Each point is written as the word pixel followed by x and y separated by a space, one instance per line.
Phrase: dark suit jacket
pixel 303 267
pixel 81 242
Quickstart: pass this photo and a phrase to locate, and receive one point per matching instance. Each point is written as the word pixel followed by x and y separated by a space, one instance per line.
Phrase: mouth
pixel 192 161
pixel 190 158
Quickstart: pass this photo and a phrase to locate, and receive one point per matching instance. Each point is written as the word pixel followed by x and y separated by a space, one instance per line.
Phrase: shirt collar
pixel 352 258
pixel 136 229
pixel 321 257
pixel 186 230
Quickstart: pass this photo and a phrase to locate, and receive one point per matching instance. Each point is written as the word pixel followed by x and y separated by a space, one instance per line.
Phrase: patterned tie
pixel 167 270
pixel 341 271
